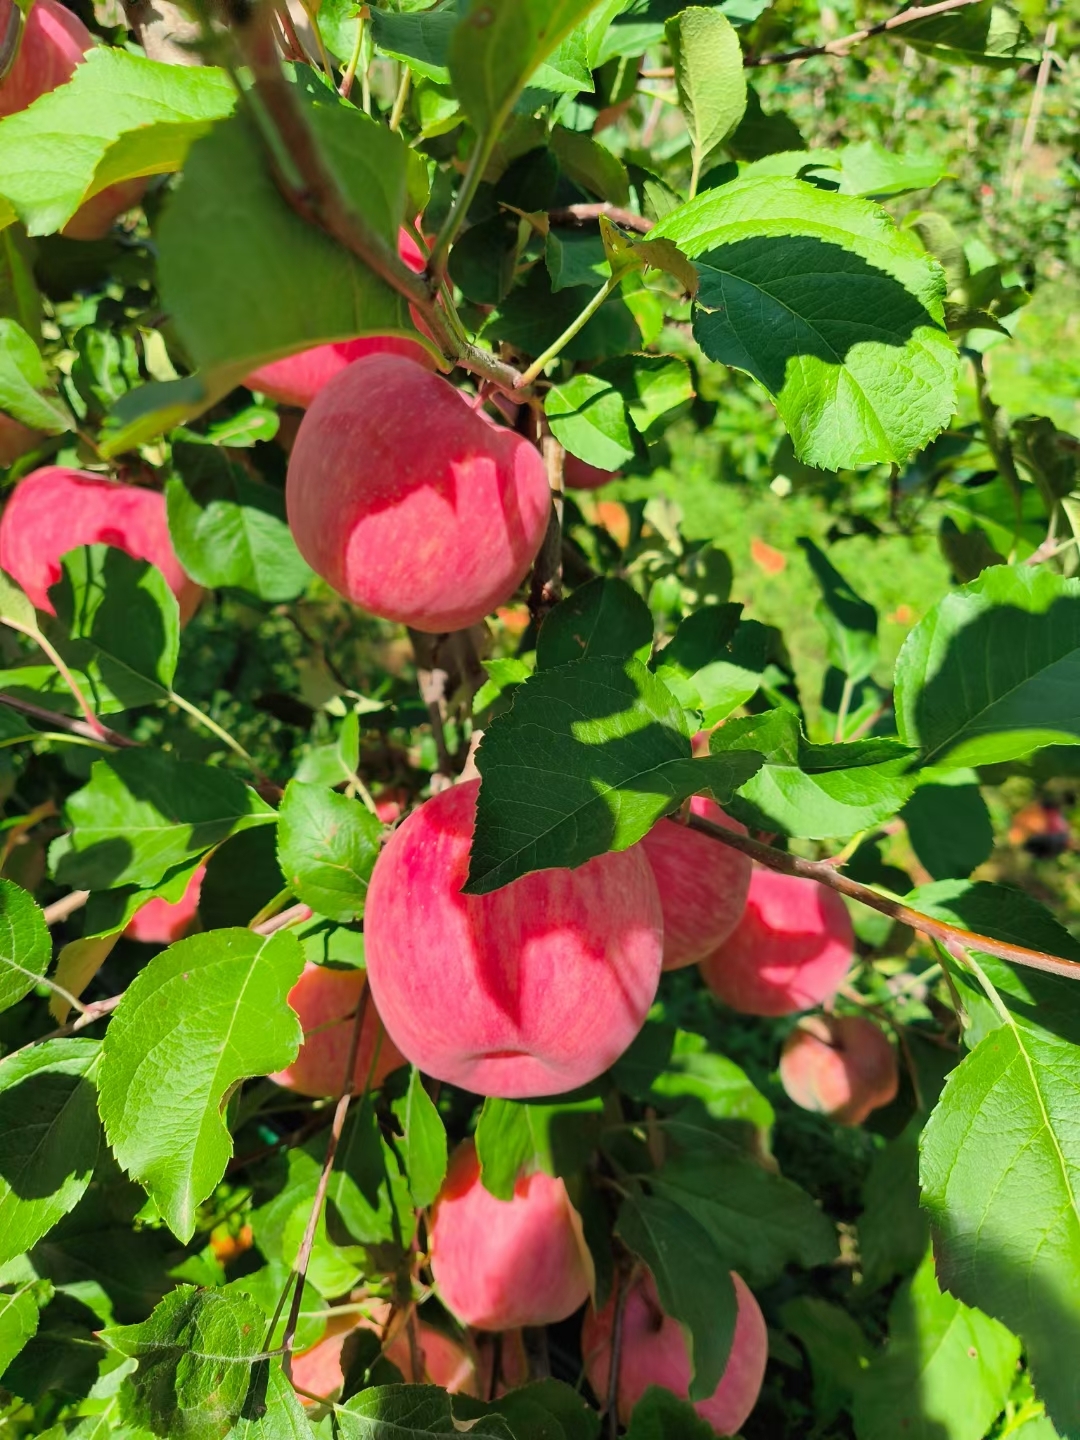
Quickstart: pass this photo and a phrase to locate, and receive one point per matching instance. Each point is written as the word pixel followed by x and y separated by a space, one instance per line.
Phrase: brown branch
pixel 825 874
pixel 310 189
pixel 67 905
pixel 582 214
pixel 101 733
pixel 303 1257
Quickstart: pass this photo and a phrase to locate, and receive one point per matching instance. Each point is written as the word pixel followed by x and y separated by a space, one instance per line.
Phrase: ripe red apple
pixel 160 922
pixel 53 42
pixel 839 1065
pixel 654 1352
pixel 409 501
pixel 534 989
pixel 55 510
pixel 297 379
pixel 790 951
pixel 443 1359
pixel 702 884
pixel 15 440
pixel 501 1264
pixel 580 475
pixel 326 1002
pixel 94 218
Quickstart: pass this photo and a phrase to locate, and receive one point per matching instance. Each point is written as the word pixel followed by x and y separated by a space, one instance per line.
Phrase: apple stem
pixel 823 872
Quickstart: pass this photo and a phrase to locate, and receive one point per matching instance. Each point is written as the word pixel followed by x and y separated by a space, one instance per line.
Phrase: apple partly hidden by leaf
pixel 534 989
pixel 411 502
pixel 839 1065
pixel 326 1001
pixel 502 1264
pixel 160 922
pixel 790 950
pixel 654 1352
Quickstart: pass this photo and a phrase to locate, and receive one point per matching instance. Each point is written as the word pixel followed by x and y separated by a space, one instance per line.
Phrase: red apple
pixel 839 1065
pixel 326 1002
pixel 534 989
pixel 94 218
pixel 411 502
pixel 580 475
pixel 702 884
pixel 15 440
pixel 790 951
pixel 160 922
pixel 55 510
pixel 53 42
pixel 501 1264
pixel 654 1352
pixel 297 379
pixel 443 1359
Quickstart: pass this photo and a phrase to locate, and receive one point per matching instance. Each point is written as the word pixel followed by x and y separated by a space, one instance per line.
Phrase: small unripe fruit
pixel 790 950
pixel 702 884
pixel 501 1264
pixel 534 989
pixel 654 1352
pixel 55 510
pixel 410 502
pixel 839 1065
pixel 161 922
pixel 297 379
pixel 326 1001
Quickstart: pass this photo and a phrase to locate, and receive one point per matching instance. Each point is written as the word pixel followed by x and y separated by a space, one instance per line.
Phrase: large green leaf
pixel 948 823
pixel 588 415
pixel 119 116
pixel 835 311
pixel 119 626
pixel 990 674
pixel 231 530
pixel 424 1142
pixel 498 44
pixel 327 848
pixel 710 79
pixel 692 1278
pixel 20 1309
pixel 516 1138
pixel 195 1355
pixel 144 812
pixel 416 1412
pixel 986 33
pixel 590 754
pixel 945 1373
pixel 25 389
pixel 605 617
pixel 227 240
pixel 25 948
pixel 849 621
pixel 816 791
pixel 49 1138
pixel 206 1013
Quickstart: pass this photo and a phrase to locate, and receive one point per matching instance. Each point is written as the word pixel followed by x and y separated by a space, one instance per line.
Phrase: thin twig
pixel 1038 95
pixel 67 905
pixel 97 732
pixel 295 915
pixel 303 1258
pixel 622 1293
pixel 97 1010
pixel 582 214
pixel 824 874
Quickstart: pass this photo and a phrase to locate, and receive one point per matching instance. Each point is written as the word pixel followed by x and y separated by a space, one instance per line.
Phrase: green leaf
pixel 522 1407
pixel 948 823
pixel 283 1418
pixel 421 40
pixel 965 1363
pixel 496 46
pixel 574 259
pixel 989 674
pixel 693 1281
pixel 710 79
pixel 757 1221
pixel 566 71
pixel 227 239
pixel 144 812
pixel 416 1412
pixel 714 662
pixel 1000 1177
pixel 660 1415
pixel 652 386
pixel 368 1196
pixel 119 626
pixel 49 1138
pixel 694 1072
pixel 231 530
pixel 25 389
pixel 850 622
pixel 119 116
pixel 206 1013
pixel 591 165
pixel 516 1138
pixel 893 1229
pixel 25 947
pixel 603 617
pixel 588 415
pixel 20 298
pixel 833 310
pixel 814 791
pixel 984 34
pixel 20 1309
pixel 195 1358
pixel 327 848
pixel 424 1144
pixel 589 755
pixel 837 1348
